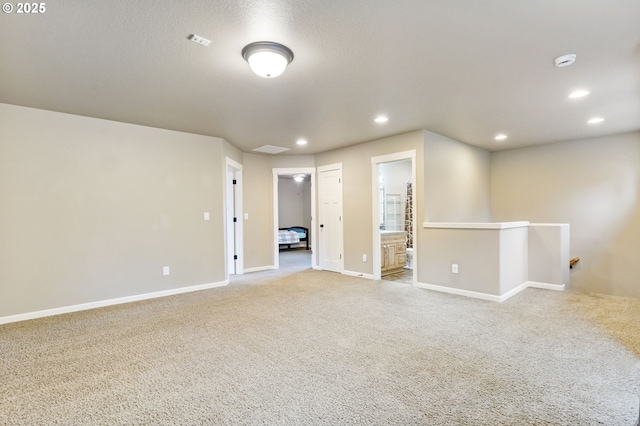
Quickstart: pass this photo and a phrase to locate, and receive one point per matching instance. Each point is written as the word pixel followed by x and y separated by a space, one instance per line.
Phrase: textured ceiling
pixel 465 69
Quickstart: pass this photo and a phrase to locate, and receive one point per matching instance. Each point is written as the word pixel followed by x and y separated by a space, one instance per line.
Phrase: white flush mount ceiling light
pixel 565 60
pixel 298 178
pixel 381 119
pixel 579 94
pixel 500 137
pixel 595 120
pixel 301 142
pixel 266 58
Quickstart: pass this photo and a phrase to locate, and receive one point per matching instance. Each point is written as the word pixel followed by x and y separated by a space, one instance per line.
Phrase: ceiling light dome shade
pixel 266 58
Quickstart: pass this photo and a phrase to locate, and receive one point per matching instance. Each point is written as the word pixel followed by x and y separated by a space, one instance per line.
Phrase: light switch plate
pixel 206 215
pixel 165 270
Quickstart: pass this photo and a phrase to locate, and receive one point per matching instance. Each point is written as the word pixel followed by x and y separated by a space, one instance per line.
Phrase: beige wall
pixel 457 181
pixel 93 209
pixel 593 185
pixel 475 251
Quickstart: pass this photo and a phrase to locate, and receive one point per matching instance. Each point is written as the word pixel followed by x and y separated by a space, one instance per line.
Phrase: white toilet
pixel 409 264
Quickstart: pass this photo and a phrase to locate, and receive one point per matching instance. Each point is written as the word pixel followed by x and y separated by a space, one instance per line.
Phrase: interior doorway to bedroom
pixel 294 206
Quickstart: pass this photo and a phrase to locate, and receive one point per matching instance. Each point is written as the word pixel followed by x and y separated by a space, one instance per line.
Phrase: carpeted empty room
pixel 314 347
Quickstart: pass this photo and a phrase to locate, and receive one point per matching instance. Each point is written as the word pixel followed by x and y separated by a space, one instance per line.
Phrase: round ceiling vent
pixel 565 60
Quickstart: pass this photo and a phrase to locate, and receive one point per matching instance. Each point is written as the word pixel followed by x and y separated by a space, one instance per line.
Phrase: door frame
pixel 287 172
pixel 375 170
pixel 235 169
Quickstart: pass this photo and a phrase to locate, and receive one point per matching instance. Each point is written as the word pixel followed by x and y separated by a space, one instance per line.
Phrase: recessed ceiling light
pixel 381 119
pixel 579 94
pixel 596 120
pixel 301 142
pixel 500 137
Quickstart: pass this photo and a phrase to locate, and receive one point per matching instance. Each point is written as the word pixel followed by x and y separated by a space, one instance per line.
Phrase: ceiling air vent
pixel 200 40
pixel 270 149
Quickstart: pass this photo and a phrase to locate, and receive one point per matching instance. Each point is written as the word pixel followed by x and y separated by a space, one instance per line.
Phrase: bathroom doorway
pixel 394 217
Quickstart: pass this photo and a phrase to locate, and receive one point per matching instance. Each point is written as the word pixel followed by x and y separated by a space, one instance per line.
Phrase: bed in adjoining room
pixel 292 237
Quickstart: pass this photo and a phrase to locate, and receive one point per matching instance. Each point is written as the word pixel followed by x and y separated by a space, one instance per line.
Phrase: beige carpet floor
pixel 299 347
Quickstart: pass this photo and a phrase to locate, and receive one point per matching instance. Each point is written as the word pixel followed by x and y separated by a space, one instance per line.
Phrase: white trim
pixel 328 167
pixel 459 292
pixel 497 225
pixel 259 268
pixel 358 274
pixel 375 164
pixel 230 163
pixel 109 302
pixel 490 297
pixel 513 292
pixel 546 286
pixel 396 156
pixel 294 171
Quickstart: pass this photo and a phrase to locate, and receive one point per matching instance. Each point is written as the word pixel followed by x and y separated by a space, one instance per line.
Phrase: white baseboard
pixel 513 292
pixel 109 302
pixel 258 269
pixel 490 297
pixel 358 274
pixel 546 286
pixel 459 292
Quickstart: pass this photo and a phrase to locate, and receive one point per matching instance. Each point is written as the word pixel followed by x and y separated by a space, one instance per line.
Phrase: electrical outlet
pixel 165 270
pixel 454 268
pixel 364 257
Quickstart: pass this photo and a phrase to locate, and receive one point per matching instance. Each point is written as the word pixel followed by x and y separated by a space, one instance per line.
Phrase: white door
pixel 330 218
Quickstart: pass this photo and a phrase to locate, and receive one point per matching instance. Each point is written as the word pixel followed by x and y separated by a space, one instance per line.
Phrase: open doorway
pixel 294 204
pixel 394 217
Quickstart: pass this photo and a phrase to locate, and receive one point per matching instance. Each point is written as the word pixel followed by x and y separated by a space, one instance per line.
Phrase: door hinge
pixel 234 181
pixel 340 256
pixel 235 257
pixel 235 219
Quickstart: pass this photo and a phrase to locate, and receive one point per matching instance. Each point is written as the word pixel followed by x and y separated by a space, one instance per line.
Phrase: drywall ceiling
pixel 467 69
